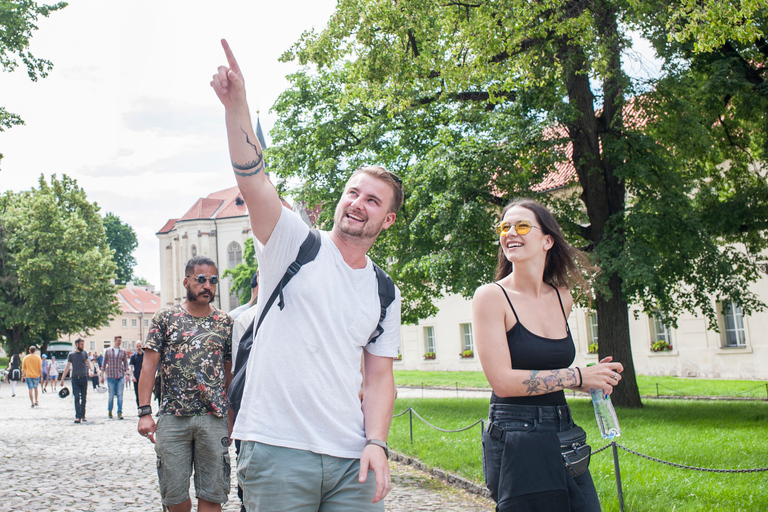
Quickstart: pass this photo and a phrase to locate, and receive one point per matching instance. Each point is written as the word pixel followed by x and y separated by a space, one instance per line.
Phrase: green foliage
pixel 122 240
pixel 17 22
pixel 475 104
pixel 56 268
pixel 674 431
pixel 243 272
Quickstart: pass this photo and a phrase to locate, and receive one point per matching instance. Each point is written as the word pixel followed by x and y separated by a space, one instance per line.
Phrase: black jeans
pixel 538 420
pixel 79 390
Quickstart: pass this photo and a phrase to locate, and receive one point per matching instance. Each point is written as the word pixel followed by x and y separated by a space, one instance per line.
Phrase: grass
pixel 670 386
pixel 725 435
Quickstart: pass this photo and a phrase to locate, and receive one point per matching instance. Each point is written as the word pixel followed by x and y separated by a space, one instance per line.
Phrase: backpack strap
pixel 307 252
pixel 386 297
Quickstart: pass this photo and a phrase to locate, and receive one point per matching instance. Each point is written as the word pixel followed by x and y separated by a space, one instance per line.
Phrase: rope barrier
pixel 682 466
pixel 594 452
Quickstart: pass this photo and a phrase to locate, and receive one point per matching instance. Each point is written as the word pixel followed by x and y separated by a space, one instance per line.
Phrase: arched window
pixel 235 254
pixel 194 250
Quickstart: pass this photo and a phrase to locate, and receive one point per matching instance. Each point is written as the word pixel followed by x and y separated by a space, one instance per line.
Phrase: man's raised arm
pixel 245 151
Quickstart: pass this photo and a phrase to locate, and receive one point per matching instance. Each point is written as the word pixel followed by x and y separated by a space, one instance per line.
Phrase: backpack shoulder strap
pixel 386 297
pixel 307 252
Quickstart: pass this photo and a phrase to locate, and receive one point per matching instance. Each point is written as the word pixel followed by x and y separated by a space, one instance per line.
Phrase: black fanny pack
pixel 575 450
pixel 573 447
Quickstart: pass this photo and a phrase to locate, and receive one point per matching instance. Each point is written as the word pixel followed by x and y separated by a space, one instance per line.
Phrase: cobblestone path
pixel 49 463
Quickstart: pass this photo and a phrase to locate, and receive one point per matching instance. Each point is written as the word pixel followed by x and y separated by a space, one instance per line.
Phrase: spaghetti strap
pixel 568 329
pixel 510 302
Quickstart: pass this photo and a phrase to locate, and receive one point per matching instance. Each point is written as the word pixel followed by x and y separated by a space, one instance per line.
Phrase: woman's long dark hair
pixel 560 267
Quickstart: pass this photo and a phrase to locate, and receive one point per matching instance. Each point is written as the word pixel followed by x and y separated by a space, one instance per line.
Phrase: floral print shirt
pixel 192 356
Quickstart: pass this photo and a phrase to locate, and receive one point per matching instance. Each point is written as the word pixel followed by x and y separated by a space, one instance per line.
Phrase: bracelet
pixel 379 443
pixel 581 379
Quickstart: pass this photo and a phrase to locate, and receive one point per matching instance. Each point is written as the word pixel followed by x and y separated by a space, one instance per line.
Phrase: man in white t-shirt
pixel 307 443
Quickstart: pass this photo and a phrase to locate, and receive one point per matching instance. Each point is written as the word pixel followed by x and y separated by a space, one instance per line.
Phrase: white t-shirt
pixel 303 375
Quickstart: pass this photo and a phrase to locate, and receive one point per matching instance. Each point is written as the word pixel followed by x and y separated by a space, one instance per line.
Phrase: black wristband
pixel 144 410
pixel 581 379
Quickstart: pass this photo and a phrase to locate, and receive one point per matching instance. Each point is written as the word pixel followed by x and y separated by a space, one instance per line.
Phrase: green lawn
pixel 648 385
pixel 724 435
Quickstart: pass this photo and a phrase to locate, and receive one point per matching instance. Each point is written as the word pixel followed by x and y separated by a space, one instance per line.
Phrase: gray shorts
pixel 276 479
pixel 184 441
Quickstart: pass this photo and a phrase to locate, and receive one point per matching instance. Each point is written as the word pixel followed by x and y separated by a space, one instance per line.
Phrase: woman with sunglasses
pixel 526 351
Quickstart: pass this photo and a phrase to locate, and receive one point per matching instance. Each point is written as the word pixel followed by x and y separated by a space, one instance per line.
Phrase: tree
pixel 243 272
pixel 475 103
pixel 56 268
pixel 17 19
pixel 122 240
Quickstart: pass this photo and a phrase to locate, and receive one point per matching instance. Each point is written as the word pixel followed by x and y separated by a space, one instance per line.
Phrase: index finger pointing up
pixel 230 56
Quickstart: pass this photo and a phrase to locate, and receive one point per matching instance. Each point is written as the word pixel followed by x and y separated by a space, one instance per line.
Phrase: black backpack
pixel 307 252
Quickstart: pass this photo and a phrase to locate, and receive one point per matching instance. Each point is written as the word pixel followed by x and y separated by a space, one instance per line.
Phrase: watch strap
pixel 144 410
pixel 379 443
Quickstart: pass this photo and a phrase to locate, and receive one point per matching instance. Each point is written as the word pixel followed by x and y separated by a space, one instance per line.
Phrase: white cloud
pixel 128 110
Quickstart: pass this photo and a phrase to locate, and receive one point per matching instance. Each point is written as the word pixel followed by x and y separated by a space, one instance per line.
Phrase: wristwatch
pixel 380 443
pixel 144 410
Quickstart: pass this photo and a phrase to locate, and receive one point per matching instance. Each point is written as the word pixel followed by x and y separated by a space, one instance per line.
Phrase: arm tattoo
pixel 257 164
pixel 542 382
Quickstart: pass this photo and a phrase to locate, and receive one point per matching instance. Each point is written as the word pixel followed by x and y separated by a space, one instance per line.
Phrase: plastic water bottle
pixel 605 414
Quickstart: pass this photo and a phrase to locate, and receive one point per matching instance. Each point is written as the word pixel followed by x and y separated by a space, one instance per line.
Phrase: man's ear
pixel 389 220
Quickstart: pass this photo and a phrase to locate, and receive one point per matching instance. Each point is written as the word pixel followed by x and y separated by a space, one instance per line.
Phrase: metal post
pixel 766 390
pixel 457 390
pixel 482 427
pixel 657 390
pixel 618 475
pixel 410 422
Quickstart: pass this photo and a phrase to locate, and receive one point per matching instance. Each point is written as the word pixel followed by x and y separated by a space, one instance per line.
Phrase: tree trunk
pixel 614 341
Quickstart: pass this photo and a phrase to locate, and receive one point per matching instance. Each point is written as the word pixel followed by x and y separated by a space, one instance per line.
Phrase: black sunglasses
pixel 214 280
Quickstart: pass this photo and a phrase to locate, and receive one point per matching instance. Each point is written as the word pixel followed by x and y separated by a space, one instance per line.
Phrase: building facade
pixel 137 306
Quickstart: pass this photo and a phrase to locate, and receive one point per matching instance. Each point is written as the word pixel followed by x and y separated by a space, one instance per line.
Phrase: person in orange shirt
pixel 31 370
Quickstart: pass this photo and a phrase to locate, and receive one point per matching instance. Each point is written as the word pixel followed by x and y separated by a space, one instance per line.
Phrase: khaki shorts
pixel 186 441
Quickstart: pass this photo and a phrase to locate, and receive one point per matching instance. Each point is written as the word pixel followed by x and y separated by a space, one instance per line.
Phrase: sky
pixel 128 110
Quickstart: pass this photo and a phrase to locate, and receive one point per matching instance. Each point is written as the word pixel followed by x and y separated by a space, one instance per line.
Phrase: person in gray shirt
pixel 82 368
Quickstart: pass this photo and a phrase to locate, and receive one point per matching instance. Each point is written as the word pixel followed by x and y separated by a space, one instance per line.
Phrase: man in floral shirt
pixel 191 343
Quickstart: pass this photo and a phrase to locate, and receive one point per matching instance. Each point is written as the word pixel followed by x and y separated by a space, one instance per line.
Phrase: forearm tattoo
pixel 542 382
pixel 255 166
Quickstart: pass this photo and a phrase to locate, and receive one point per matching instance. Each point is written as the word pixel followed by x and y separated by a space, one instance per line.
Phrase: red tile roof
pixel 223 204
pixel 138 300
pixel 564 173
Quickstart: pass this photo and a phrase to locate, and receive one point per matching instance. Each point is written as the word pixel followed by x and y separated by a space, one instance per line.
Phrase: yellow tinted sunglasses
pixel 522 227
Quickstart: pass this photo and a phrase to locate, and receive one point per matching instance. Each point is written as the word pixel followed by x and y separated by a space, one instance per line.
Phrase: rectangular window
pixel 733 320
pixel 146 322
pixel 466 338
pixel 592 325
pixel 429 341
pixel 92 345
pixel 107 344
pixel 660 331
pixel 124 322
pixel 134 322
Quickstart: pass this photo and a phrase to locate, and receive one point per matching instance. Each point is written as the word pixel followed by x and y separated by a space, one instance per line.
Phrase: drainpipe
pixel 216 228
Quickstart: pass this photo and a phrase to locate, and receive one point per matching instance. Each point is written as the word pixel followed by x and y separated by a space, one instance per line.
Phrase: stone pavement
pixel 49 463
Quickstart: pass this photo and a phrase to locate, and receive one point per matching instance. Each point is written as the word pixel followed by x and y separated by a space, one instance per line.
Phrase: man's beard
pixel 194 297
pixel 365 230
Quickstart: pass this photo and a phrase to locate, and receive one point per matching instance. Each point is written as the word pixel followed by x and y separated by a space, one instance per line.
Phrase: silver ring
pixel 615 375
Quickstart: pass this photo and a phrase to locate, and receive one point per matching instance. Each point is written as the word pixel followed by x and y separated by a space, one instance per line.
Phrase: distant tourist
pixel 115 370
pixel 82 368
pixel 135 364
pixel 31 370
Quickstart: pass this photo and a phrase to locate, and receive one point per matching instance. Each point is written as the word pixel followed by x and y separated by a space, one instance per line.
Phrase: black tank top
pixel 529 351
